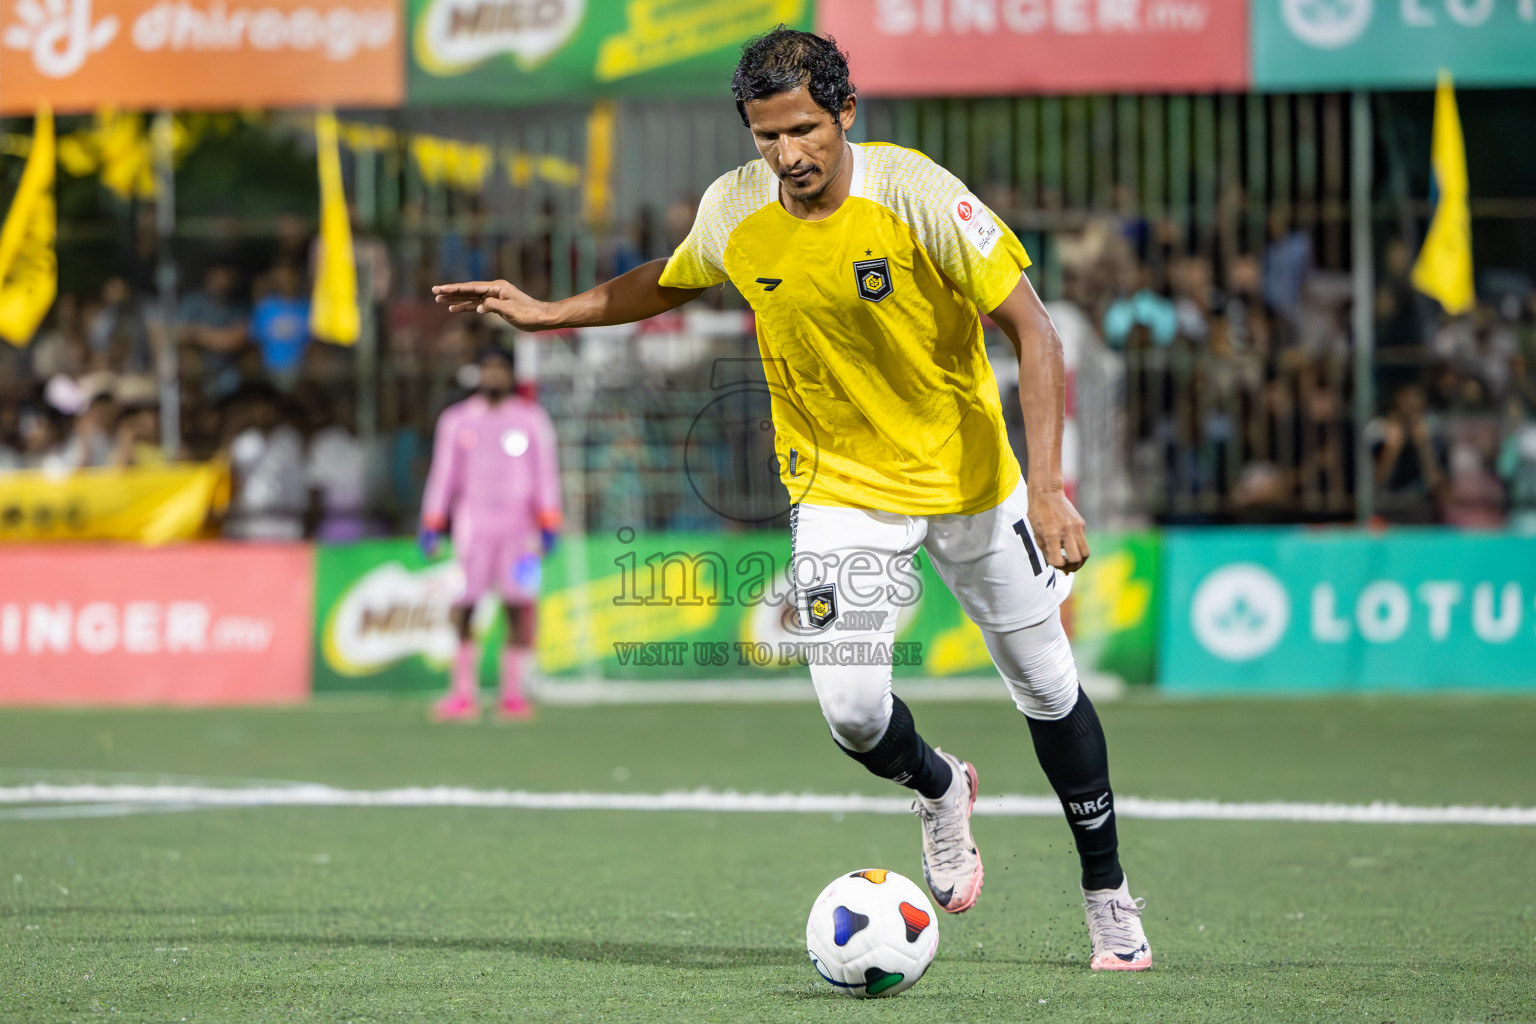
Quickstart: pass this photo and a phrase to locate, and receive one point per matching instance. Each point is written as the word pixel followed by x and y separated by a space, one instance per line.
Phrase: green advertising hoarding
pixel 655 607
pixel 381 618
pixel 1265 611
pixel 1114 607
pixel 504 52
pixel 1342 44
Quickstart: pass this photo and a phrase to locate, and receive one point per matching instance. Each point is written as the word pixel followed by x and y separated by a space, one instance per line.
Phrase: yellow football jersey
pixel 866 320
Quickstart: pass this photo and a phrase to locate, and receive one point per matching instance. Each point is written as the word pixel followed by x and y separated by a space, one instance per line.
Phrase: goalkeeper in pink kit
pixel 495 478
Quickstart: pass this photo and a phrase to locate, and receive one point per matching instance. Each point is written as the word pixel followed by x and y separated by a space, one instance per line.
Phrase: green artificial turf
pixel 276 914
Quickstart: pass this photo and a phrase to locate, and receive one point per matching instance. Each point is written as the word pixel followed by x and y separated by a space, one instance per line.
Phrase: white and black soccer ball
pixel 872 933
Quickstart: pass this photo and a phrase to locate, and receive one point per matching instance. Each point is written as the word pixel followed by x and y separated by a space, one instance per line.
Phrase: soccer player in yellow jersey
pixel 866 266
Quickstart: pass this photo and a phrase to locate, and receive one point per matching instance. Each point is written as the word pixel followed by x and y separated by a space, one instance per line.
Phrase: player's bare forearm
pixel 636 295
pixel 1042 399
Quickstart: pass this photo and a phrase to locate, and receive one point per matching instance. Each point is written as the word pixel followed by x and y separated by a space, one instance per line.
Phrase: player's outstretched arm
pixel 636 295
pixel 1042 396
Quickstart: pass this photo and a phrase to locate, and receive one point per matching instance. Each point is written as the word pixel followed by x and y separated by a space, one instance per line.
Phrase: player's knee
pixel 857 726
pixel 1037 664
pixel 856 709
pixel 1053 697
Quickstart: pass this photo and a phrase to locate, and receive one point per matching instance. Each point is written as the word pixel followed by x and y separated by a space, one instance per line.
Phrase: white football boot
pixel 951 865
pixel 1114 928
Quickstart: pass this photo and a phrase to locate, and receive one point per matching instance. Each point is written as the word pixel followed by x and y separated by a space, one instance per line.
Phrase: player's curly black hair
pixel 785 59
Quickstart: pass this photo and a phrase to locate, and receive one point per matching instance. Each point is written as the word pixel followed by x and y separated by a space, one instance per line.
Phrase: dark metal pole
pixel 163 138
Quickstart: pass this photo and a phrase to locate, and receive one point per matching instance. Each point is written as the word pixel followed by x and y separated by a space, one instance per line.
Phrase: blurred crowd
pixel 1237 405
pixel 1240 391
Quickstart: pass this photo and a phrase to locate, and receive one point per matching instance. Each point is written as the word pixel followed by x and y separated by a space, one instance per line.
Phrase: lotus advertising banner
pixel 1329 44
pixel 1261 611
pixel 496 52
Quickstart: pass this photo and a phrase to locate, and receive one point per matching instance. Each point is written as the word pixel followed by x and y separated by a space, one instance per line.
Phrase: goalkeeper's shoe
pixel 1114 928
pixel 951 864
pixel 514 707
pixel 457 707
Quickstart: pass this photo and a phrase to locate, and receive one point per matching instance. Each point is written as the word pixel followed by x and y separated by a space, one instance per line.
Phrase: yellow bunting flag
pixel 29 267
pixel 1443 270
pixel 333 314
pixel 127 154
pixel 598 193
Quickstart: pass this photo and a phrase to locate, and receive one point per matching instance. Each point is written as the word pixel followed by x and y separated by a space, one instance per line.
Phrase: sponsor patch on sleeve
pixel 975 223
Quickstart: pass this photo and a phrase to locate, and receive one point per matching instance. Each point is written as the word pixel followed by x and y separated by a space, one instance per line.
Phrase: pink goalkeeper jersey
pixel 493 469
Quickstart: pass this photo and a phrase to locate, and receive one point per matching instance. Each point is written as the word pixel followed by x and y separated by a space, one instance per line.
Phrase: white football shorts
pixel 851 560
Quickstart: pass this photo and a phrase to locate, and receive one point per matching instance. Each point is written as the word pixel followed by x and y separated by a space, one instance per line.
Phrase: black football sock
pixel 902 756
pixel 1075 758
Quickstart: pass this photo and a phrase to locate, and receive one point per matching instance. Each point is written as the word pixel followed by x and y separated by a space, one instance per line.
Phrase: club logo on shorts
pixel 821 605
pixel 873 277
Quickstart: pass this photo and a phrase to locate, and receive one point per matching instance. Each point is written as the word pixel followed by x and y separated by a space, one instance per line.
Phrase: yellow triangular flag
pixel 127 154
pixel 597 196
pixel 29 267
pixel 1443 270
pixel 333 312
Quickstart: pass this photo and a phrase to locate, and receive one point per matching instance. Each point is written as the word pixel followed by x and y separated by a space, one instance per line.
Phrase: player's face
pixel 802 143
pixel 495 377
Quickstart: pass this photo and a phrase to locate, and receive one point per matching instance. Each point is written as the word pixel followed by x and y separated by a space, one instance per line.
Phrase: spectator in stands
pixel 10 436
pixel 1474 497
pixel 1245 317
pixel 1408 460
pixel 137 440
pixel 1401 315
pixel 42 429
pixel 1287 265
pixel 89 445
pixel 213 322
pixel 1517 465
pixel 280 326
pixel 1196 299
pixel 1140 306
pixel 467 252
pixel 639 242
pixel 266 452
pixel 337 470
pixel 123 330
pixel 1496 351
pixel 61 348
pixel 138 437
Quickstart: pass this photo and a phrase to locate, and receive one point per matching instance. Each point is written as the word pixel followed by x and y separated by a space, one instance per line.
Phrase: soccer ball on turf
pixel 872 933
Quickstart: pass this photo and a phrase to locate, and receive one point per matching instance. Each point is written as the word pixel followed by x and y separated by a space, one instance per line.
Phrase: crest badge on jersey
pixel 873 277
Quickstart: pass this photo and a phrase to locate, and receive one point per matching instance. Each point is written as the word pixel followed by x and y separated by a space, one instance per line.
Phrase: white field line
pixel 728 691
pixel 314 795
pixel 57 812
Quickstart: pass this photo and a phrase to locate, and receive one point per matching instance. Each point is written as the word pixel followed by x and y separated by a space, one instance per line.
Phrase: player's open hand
pixel 499 297
pixel 1059 529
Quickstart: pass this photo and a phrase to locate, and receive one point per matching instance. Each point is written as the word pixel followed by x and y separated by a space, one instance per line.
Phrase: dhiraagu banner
pixel 1281 610
pixel 504 52
pixel 1333 44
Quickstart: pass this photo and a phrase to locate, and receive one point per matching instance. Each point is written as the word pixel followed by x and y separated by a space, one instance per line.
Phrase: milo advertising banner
pixel 381 617
pixel 501 52
pixel 1331 44
pixel 1283 610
